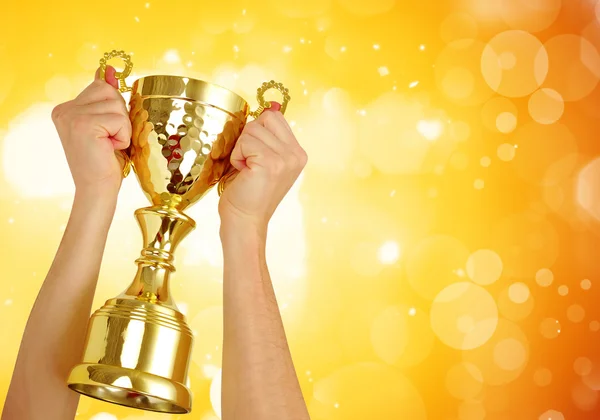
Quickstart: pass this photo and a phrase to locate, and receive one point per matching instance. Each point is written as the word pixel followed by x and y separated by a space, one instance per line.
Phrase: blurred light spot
pixel 458 26
pixel 506 152
pixel 506 122
pixel 478 184
pixel 544 277
pixel 594 326
pixel 430 129
pixel 531 16
pixel 485 161
pixel 413 84
pixel 588 185
pixel 575 313
pixel 383 71
pixel 422 47
pixel 550 328
pixel 518 292
pixel 510 354
pixel 585 395
pixel 389 252
pixel 35 128
pixel 171 57
pixel 11 221
pixel 492 109
pixel 412 311
pixel 551 415
pixel 215 393
pixel 513 310
pixel 429 279
pixel 574 66
pixel 484 266
pixel 287 49
pixel 460 131
pixel 458 302
pixel 586 284
pixel 546 106
pixel 376 46
pixel 542 377
pixel 8 302
pixel 104 416
pixel 563 290
pixel 582 366
pixel 458 83
pixel 514 63
pixel 504 357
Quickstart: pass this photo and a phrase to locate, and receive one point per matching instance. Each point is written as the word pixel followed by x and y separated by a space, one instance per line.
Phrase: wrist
pixel 96 203
pixel 242 233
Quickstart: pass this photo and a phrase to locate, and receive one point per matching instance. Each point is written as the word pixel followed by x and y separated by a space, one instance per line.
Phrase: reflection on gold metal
pixel 138 345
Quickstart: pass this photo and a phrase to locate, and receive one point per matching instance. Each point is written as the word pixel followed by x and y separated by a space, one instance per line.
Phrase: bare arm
pixel 91 128
pixel 259 381
pixel 54 334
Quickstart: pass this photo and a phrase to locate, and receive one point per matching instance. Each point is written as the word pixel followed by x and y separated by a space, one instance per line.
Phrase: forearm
pixel 259 380
pixel 53 338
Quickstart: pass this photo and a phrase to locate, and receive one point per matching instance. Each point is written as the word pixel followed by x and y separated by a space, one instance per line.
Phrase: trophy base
pixel 137 355
pixel 90 380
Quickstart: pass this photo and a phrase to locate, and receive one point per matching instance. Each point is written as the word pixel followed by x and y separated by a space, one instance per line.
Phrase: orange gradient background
pixel 438 259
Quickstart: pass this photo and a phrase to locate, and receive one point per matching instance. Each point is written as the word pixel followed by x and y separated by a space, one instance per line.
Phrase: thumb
pixel 109 76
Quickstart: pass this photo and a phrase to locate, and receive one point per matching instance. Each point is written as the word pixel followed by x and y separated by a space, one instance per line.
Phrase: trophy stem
pixel 163 228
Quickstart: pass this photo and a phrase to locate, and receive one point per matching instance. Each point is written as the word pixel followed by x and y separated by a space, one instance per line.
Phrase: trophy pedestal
pixel 137 355
pixel 138 345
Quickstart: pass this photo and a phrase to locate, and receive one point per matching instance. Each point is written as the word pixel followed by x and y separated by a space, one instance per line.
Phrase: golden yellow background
pixel 437 259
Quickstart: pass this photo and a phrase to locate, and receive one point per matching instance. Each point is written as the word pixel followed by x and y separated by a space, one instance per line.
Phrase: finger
pixel 117 128
pixel 108 106
pixel 109 76
pixel 260 132
pixel 276 124
pixel 250 152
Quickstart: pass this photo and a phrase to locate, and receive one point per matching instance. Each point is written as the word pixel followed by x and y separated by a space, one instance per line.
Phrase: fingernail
pixel 275 106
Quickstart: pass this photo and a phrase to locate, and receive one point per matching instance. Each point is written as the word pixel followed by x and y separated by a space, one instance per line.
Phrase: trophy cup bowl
pixel 138 345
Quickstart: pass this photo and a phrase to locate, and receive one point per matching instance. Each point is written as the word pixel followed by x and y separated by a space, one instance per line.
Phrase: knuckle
pixel 278 166
pixel 58 112
pixel 302 157
pixel 80 122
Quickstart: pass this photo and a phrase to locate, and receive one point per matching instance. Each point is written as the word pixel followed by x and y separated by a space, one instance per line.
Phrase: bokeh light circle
pixel 471 410
pixel 464 316
pixel 402 336
pixel 550 328
pixel 563 290
pixel 464 381
pixel 366 390
pixel 551 415
pixel 542 377
pixel 547 153
pixel 574 68
pixel 518 292
pixel 506 122
pixel 544 277
pixel 575 313
pixel 588 185
pixel 506 152
pixel 512 310
pixel 595 326
pixel 454 76
pixel 504 357
pixel 514 63
pixel 586 284
pixel 449 255
pixel 582 366
pixel 493 108
pixel 484 266
pixel 546 106
pixel 530 15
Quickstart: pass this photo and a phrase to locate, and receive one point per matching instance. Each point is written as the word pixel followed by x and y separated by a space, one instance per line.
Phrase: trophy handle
pixel 263 104
pixel 120 76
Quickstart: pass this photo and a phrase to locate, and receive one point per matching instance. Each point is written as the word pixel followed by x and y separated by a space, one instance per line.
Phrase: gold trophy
pixel 138 345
